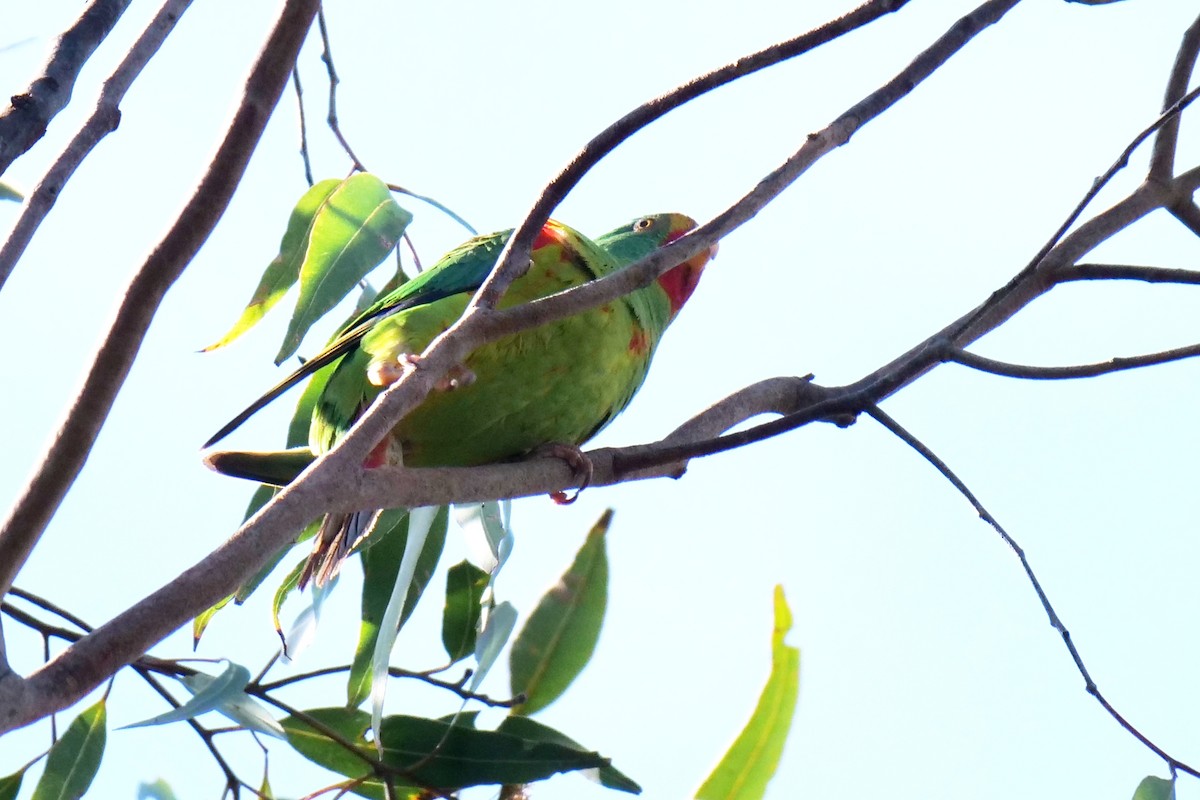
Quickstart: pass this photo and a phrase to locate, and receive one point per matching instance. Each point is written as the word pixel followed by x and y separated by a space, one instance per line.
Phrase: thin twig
pixel 332 117
pixel 24 122
pixel 1117 364
pixel 458 687
pixel 103 121
pixel 1055 621
pixel 1128 272
pixel 308 173
pixel 77 433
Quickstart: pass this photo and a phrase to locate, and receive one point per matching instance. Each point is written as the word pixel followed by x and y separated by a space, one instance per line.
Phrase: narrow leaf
pixel 283 272
pixel 208 695
pixel 493 637
pixel 381 563
pixel 239 706
pixel 352 233
pixel 9 193
pixel 436 753
pixel 749 764
pixel 1155 788
pixel 74 759
pixel 532 730
pixel 561 633
pixel 465 583
pixel 420 522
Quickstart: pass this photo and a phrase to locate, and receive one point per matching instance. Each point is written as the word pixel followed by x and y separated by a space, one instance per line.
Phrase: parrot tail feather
pixel 333 544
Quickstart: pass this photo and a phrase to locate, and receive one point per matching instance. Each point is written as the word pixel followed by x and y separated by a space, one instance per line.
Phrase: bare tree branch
pixel 164 265
pixel 1117 364
pixel 24 122
pixel 103 121
pixel 1128 272
pixel 323 485
pixel 1055 621
pixel 1162 159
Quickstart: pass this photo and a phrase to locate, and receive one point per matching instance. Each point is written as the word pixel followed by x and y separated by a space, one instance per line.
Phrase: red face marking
pixel 679 283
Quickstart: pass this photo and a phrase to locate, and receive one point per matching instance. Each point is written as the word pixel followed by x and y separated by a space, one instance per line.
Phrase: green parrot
pixel 555 386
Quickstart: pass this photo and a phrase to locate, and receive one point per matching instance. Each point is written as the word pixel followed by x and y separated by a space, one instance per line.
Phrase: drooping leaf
pixel 237 706
pixel 561 633
pixel 420 522
pixel 207 696
pixel 749 764
pixel 11 784
pixel 531 729
pixel 465 583
pixel 497 627
pixel 436 753
pixel 381 564
pixel 9 193
pixel 351 234
pixel 200 623
pixel 74 759
pixel 1155 788
pixel 284 271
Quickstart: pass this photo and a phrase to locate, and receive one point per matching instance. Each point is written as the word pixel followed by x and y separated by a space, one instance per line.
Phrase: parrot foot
pixel 579 463
pixel 385 373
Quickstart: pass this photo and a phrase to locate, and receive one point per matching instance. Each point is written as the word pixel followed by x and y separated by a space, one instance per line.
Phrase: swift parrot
pixel 555 385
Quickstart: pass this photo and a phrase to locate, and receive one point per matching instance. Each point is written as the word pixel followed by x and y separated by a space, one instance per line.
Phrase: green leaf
pixel 236 705
pixel 1155 788
pixel 496 629
pixel 531 729
pixel 289 584
pixel 11 784
pixel 9 193
pixel 381 563
pixel 434 753
pixel 74 759
pixel 465 583
pixel 200 623
pixel 159 790
pixel 351 234
pixel 750 762
pixel 206 696
pixel 285 269
pixel 560 635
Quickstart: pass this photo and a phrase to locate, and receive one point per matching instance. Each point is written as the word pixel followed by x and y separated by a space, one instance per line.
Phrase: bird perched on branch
pixel 555 385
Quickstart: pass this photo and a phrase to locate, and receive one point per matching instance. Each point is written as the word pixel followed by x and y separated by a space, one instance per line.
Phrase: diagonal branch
pixel 103 121
pixel 1055 621
pixel 131 633
pixel 1117 364
pixel 1162 159
pixel 77 433
pixel 24 122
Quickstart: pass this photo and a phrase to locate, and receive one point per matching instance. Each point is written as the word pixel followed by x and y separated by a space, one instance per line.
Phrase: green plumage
pixel 559 383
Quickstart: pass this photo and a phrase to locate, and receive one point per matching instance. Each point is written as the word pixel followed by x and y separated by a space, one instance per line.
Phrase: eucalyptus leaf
pixel 560 635
pixel 749 764
pixel 74 759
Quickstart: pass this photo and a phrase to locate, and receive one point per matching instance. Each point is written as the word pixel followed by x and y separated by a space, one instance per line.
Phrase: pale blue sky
pixel 928 669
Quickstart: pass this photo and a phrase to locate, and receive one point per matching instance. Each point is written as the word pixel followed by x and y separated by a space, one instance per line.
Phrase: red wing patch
pixel 638 342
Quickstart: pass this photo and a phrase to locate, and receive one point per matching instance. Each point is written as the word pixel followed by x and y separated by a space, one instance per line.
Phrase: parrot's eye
pixel 643 224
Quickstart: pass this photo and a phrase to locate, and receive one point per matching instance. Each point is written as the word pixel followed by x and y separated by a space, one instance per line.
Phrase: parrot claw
pixel 385 373
pixel 579 463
